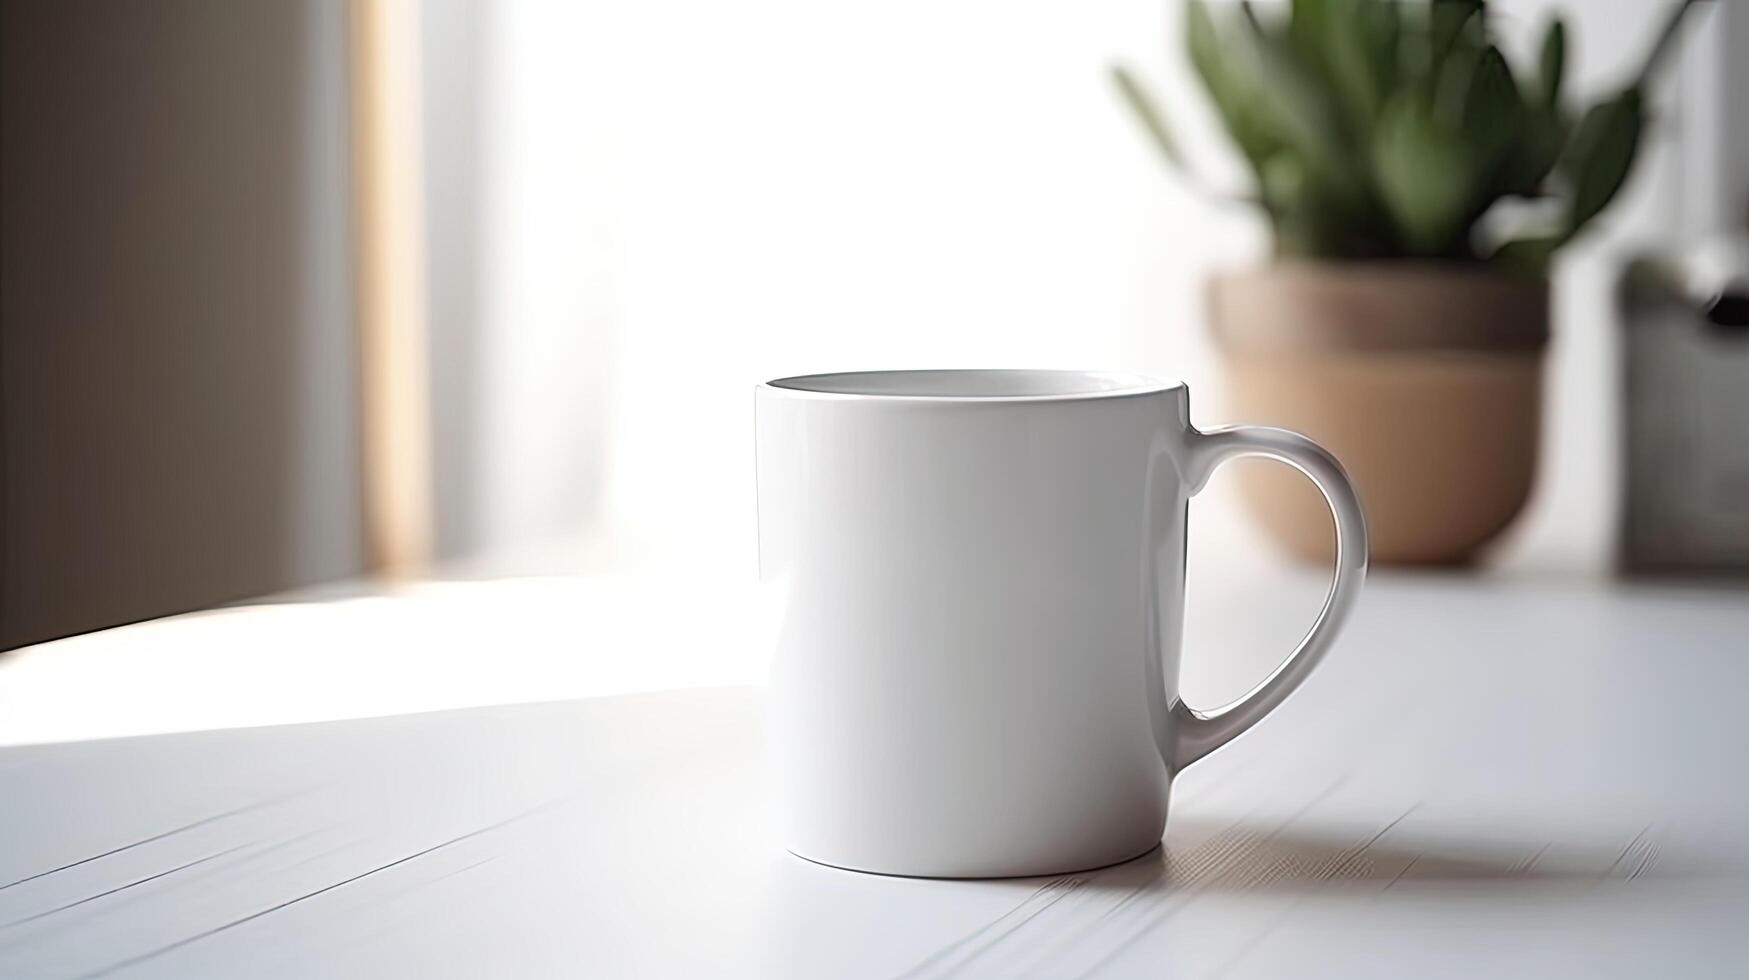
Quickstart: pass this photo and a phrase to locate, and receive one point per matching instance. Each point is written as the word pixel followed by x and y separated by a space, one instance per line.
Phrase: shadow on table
pixel 1094 917
pixel 1242 857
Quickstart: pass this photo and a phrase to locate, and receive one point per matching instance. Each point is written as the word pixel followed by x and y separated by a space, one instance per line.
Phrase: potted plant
pixel 1417 184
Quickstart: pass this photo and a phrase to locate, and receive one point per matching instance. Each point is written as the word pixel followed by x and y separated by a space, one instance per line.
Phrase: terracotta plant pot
pixel 1425 380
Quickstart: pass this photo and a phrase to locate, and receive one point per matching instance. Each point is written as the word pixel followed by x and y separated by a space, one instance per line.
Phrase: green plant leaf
pixel 1446 22
pixel 1283 184
pixel 1601 155
pixel 1301 107
pixel 1252 21
pixel 1493 97
pixel 1533 155
pixel 1551 63
pixel 1494 110
pixel 1204 44
pixel 1385 128
pixel 1545 127
pixel 1528 256
pixel 1360 56
pixel 1427 177
pixel 1308 220
pixel 1236 98
pixel 1308 29
pixel 1203 41
pixel 1147 112
pixel 1382 21
pixel 1451 90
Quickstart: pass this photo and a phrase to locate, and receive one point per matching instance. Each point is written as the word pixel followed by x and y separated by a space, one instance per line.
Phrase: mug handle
pixel 1198 732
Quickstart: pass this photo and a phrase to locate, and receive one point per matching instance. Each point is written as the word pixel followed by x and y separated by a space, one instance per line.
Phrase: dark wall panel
pixel 163 231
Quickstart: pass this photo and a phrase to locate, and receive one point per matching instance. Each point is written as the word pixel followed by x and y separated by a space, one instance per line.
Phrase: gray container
pixel 1686 404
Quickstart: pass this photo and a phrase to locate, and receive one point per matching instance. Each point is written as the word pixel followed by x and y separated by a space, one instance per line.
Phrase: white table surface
pixel 1530 780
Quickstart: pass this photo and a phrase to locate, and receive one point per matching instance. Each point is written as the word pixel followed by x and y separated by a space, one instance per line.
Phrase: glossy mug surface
pixel 980 578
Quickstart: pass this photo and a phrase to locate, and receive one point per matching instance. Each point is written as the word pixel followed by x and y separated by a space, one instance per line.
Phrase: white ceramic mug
pixel 981 584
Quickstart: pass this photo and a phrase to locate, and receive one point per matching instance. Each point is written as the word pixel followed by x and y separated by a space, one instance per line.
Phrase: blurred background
pixel 428 330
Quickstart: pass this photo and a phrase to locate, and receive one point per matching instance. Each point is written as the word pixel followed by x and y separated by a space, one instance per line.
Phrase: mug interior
pixel 975 384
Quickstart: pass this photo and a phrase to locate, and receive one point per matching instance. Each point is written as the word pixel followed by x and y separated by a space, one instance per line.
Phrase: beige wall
pixel 176 391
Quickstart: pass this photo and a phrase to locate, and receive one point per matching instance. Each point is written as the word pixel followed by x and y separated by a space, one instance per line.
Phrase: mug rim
pixel 963 385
